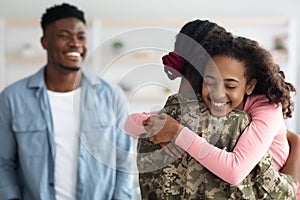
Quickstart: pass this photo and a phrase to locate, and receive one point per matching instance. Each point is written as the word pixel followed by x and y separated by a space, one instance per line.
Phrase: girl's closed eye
pixel 231 83
pixel 231 86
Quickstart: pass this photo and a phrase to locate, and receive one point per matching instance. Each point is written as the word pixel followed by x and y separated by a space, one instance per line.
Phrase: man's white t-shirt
pixel 65 108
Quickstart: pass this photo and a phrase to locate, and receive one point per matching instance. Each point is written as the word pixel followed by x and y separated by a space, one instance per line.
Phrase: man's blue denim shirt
pixel 27 148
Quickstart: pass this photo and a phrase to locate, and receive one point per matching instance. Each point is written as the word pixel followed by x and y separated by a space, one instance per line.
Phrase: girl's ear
pixel 250 86
pixel 44 42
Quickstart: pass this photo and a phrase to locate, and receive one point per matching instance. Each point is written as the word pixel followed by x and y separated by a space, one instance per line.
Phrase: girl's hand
pixel 162 128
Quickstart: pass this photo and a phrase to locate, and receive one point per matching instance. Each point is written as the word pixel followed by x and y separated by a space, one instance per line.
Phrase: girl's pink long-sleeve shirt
pixel 266 131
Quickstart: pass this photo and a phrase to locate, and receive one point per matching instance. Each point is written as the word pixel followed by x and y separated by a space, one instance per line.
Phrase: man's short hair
pixel 58 12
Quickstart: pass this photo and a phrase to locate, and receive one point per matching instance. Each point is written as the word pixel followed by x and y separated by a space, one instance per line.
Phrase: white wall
pixel 178 9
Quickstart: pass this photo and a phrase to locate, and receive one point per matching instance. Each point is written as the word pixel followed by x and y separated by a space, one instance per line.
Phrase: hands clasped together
pixel 162 129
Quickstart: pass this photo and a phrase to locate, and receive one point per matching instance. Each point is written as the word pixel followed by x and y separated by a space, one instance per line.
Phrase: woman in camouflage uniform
pixel 185 178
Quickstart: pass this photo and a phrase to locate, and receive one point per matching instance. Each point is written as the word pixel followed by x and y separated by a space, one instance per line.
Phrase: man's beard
pixel 68 68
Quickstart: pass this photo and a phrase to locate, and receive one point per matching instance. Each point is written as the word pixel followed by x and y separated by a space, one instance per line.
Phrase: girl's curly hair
pixel 259 65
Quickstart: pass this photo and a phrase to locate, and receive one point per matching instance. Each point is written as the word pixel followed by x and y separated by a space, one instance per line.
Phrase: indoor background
pixel 128 37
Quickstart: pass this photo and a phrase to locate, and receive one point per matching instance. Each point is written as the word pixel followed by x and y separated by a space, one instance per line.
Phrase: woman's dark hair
pixel 259 65
pixel 189 45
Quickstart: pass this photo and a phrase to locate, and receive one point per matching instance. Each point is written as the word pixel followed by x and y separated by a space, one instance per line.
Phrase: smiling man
pixel 61 129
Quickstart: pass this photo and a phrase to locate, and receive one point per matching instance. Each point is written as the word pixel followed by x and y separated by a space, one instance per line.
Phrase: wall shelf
pixel 12 58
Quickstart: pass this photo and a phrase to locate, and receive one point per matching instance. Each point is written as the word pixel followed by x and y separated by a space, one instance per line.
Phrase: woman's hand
pixel 162 128
pixel 292 165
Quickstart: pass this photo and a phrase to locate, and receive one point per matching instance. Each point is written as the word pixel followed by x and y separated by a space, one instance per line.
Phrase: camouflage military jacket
pixel 166 177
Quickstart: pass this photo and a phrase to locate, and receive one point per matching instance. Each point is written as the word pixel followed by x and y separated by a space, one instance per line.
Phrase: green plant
pixel 117 44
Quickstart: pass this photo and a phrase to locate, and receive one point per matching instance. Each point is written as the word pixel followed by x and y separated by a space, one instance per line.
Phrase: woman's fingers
pixel 163 127
pixel 154 125
pixel 147 121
